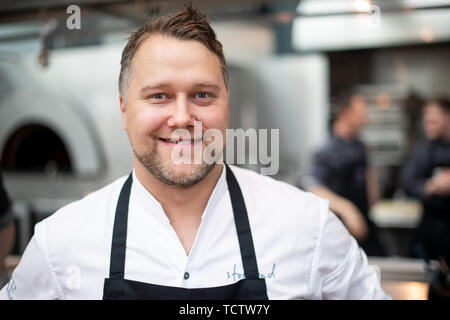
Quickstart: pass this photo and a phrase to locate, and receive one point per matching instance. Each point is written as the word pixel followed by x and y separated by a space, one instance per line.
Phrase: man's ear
pixel 123 113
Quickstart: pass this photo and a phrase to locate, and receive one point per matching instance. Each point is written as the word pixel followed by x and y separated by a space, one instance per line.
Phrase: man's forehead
pixel 161 61
pixel 157 45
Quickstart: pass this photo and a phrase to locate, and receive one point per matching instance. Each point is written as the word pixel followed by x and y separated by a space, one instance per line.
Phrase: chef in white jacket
pixel 191 230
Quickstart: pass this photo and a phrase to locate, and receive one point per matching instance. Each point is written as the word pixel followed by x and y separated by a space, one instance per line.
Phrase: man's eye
pixel 158 96
pixel 203 95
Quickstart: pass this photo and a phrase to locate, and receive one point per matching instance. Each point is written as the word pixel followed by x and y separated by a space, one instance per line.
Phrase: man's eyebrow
pixel 157 86
pixel 206 85
pixel 153 86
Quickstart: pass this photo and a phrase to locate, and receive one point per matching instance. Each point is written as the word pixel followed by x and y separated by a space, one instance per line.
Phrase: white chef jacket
pixel 302 249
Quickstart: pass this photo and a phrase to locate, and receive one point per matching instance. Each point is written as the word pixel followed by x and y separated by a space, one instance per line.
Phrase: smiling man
pixel 176 231
pixel 175 82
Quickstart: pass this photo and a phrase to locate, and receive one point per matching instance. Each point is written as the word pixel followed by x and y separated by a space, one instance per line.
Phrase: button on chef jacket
pixel 302 249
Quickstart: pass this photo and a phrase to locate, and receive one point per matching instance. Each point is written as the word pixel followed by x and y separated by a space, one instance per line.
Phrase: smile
pixel 180 141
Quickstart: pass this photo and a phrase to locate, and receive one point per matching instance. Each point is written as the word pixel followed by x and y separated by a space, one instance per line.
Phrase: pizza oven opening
pixel 35 148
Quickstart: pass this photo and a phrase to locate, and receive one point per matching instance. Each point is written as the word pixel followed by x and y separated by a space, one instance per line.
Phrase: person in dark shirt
pixel 426 176
pixel 7 230
pixel 339 173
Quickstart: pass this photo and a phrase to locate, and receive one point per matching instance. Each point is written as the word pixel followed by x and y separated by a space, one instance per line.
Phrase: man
pixel 192 230
pixel 7 231
pixel 339 172
pixel 426 176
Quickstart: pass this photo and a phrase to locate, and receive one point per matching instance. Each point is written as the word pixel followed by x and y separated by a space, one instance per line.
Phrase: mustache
pixel 181 135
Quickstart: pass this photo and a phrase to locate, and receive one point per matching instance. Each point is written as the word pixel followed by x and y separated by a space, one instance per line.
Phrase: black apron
pixel 252 287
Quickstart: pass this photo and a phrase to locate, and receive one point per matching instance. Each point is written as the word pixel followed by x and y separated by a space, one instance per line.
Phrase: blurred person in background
pixel 426 176
pixel 7 230
pixel 339 172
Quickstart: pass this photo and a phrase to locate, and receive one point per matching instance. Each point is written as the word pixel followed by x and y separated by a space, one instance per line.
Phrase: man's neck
pixel 193 199
pixel 183 206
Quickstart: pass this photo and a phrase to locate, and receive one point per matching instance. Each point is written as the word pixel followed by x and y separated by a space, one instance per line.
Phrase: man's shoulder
pixel 279 211
pixel 269 190
pixel 258 180
pixel 90 208
pixel 327 148
pixel 423 149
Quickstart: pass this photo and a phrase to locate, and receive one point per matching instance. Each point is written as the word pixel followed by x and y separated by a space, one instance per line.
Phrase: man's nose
pixel 181 114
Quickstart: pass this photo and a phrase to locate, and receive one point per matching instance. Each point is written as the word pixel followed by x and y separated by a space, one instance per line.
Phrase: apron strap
pixel 119 240
pixel 242 223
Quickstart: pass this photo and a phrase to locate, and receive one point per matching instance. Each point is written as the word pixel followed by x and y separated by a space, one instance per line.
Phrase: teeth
pixel 187 141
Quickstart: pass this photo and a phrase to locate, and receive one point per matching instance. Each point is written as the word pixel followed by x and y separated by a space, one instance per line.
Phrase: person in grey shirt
pixel 339 172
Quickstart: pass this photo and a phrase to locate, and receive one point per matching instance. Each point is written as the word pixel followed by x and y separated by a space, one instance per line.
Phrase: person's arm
pixel 345 209
pixel 7 235
pixel 315 181
pixel 415 179
pixel 341 269
pixel 438 184
pixel 373 187
pixel 7 230
pixel 34 277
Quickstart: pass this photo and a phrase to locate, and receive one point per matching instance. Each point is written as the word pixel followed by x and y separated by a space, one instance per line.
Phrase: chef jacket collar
pixel 154 207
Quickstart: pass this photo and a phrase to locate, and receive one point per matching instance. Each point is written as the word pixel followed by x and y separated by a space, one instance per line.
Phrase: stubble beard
pixel 161 170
